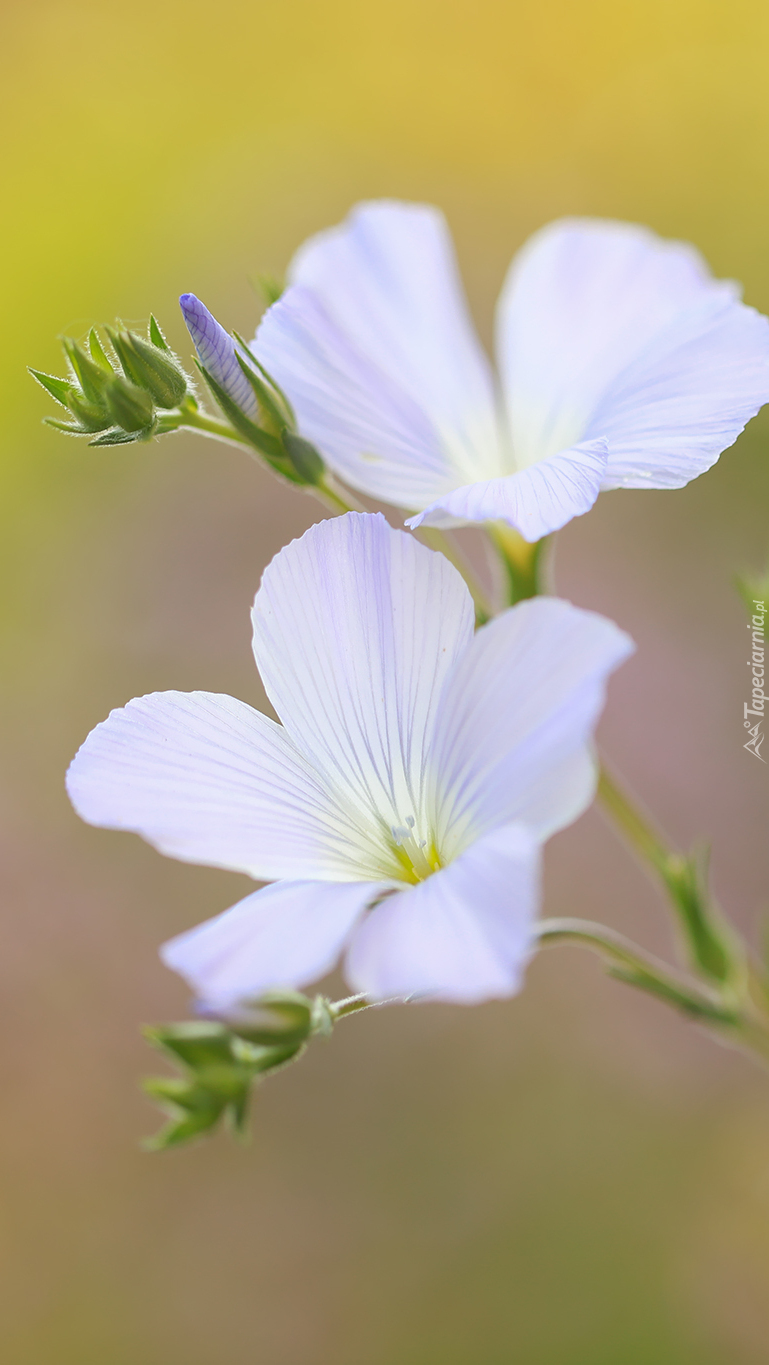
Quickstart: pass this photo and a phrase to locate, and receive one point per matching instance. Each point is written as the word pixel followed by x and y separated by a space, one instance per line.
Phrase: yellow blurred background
pixel 570 1178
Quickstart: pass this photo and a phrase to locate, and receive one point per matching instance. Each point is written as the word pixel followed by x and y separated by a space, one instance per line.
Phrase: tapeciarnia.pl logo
pixel 755 707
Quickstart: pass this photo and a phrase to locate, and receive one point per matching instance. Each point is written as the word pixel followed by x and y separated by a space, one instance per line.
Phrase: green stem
pixel 209 426
pixel 329 495
pixel 523 562
pixel 438 540
pixel 636 829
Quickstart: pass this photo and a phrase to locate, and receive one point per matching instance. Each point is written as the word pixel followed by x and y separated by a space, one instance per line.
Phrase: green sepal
pixel 121 438
pixel 129 406
pixel 66 427
pixel 92 378
pixel 269 409
pixel 123 352
pixel 196 1042
pixel 222 1068
pixel 156 336
pixel 270 287
pixel 98 354
pixel 267 445
pixel 57 388
pixel 277 1019
pixel 307 461
pixel 286 414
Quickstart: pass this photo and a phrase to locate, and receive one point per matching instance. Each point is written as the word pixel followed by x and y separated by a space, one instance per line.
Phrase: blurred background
pixel 575 1177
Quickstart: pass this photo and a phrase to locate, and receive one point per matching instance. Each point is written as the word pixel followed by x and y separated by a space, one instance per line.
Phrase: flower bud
pixel 91 416
pixel 217 354
pixel 92 377
pixel 306 460
pixel 128 405
pixel 152 369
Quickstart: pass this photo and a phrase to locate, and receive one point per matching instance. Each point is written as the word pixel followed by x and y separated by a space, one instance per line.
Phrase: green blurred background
pixel 570 1178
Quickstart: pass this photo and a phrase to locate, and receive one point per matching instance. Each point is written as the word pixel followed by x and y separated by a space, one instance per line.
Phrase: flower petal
pixel 535 501
pixel 516 718
pixel 208 779
pixel 356 628
pixel 464 934
pixel 605 330
pixel 287 934
pixel 374 346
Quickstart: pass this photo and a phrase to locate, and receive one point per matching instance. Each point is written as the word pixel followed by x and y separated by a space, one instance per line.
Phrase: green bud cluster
pixel 119 397
pixel 222 1062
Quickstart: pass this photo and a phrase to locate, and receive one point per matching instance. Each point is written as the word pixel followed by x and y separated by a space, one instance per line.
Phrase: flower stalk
pixel 523 563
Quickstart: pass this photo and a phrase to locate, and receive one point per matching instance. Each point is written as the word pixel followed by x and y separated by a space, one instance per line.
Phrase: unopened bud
pixel 91 416
pixel 93 378
pixel 154 370
pixel 306 460
pixel 217 354
pixel 129 406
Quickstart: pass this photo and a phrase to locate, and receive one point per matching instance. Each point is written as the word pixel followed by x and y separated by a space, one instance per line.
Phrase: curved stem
pixel 628 818
pixel 210 426
pixel 522 561
pixel 330 496
pixel 736 1023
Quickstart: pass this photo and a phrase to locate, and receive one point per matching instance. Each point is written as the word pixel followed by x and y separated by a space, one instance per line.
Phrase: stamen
pixel 418 858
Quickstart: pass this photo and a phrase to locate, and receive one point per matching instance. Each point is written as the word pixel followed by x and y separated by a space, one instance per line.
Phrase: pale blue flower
pixel 621 364
pixel 400 806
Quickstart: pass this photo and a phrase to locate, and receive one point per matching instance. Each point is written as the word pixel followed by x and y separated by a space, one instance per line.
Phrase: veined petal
pixel 536 500
pixel 516 718
pixel 356 628
pixel 463 935
pixel 287 934
pixel 671 414
pixel 605 330
pixel 208 779
pixel 374 346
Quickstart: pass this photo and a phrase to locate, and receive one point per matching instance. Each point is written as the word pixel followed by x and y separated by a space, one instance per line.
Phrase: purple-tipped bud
pixel 216 351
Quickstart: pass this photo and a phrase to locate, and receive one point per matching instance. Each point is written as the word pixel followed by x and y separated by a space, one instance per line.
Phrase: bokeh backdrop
pixel 570 1178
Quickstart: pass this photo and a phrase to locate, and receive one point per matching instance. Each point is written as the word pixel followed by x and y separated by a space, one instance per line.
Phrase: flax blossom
pixel 621 364
pixel 417 769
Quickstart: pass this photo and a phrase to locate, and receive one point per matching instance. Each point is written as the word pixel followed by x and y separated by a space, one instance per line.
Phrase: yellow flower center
pixel 417 858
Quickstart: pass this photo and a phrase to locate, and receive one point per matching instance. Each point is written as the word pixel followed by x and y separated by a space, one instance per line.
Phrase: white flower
pixel 622 363
pixel 417 769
